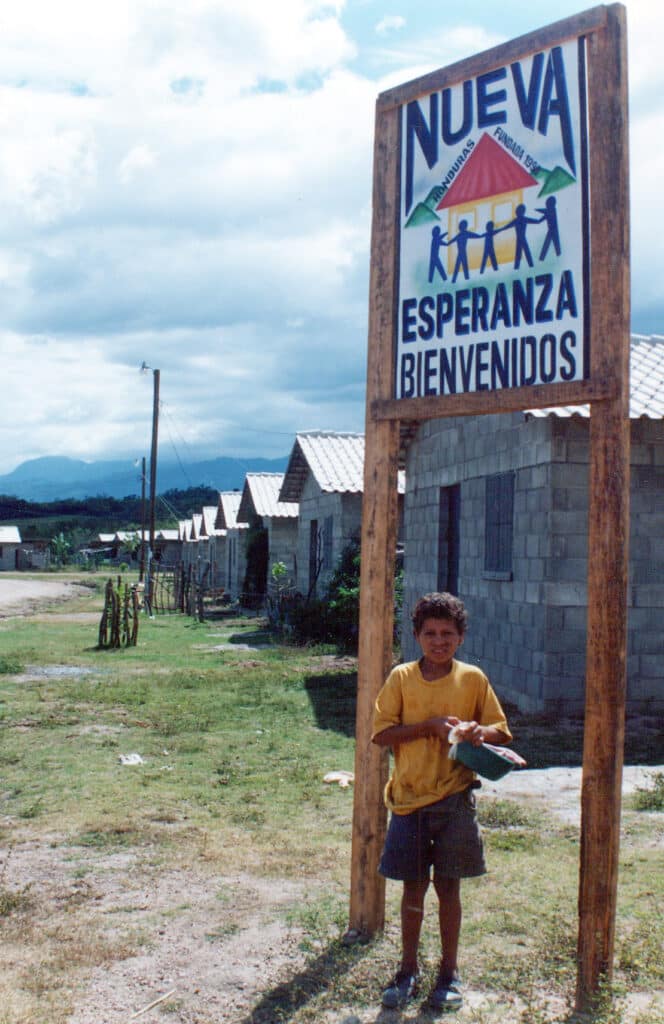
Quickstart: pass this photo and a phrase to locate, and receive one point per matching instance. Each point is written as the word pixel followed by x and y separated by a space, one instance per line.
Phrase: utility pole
pixel 141 572
pixel 153 481
pixel 153 456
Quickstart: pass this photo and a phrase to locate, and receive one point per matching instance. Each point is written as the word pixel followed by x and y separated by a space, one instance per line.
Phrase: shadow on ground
pixel 556 741
pixel 333 698
pixel 545 740
pixel 281 1002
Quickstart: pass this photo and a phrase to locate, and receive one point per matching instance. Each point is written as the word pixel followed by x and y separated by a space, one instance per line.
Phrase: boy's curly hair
pixel 440 606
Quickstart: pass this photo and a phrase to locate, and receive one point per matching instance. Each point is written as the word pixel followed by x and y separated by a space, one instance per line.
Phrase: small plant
pixel 651 798
pixel 10 665
pixel 13 901
pixel 60 550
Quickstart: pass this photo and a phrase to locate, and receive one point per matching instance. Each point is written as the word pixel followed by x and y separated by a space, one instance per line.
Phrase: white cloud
pixel 189 182
pixel 139 158
pixel 390 23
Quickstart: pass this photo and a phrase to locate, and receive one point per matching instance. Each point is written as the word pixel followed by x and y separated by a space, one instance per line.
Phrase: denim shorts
pixel 445 835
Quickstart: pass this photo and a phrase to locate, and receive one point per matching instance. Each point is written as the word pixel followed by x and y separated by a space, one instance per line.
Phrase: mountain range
pixel 52 478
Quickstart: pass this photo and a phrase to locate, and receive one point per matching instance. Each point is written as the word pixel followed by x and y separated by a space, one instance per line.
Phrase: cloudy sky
pixel 188 183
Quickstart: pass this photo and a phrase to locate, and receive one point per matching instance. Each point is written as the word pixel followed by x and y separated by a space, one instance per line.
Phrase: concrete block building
pixel 263 509
pixel 10 542
pixel 325 475
pixel 231 561
pixel 496 510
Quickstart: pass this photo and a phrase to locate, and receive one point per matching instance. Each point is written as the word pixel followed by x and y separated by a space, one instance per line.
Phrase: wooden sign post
pixel 523 145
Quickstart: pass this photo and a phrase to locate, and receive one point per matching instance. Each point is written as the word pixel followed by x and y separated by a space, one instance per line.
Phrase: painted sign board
pixel 493 246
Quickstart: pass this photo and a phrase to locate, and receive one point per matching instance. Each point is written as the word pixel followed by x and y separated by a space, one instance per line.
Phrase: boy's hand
pixel 470 731
pixel 440 727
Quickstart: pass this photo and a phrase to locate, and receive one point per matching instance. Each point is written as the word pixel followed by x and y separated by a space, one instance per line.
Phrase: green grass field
pixel 235 733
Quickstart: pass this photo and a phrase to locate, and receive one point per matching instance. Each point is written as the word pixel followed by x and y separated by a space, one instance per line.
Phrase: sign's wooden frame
pixel 607 392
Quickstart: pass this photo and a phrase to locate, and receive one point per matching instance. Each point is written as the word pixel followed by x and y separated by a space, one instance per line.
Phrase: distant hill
pixel 52 478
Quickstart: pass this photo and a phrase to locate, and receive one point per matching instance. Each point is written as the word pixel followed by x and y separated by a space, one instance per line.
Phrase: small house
pixel 272 533
pixel 231 560
pixel 10 542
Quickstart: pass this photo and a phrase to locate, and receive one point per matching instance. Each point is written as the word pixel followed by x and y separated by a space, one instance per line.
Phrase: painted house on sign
pixel 230 543
pixel 496 511
pixel 325 475
pixel 485 197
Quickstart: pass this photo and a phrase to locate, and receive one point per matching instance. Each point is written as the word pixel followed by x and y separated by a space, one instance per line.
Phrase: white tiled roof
pixel 209 514
pixel 646 386
pixel 335 460
pixel 261 495
pixel 168 534
pixel 10 535
pixel 227 510
pixel 196 523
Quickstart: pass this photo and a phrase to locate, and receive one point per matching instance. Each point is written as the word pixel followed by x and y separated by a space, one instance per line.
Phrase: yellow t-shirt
pixel 423 772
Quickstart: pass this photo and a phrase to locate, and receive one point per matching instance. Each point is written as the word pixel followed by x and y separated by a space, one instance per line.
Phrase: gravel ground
pixel 21 596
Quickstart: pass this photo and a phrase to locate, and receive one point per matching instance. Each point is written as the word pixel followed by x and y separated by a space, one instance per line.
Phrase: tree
pixel 60 549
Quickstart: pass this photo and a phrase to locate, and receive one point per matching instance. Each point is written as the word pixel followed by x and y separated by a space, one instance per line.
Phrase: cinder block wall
pixel 529 633
pixel 282 545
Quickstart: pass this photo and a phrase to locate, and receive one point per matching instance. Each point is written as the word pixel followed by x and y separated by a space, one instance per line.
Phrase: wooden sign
pixel 500 282
pixel 493 229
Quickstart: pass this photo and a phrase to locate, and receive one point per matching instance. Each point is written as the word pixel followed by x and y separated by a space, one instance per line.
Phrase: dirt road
pixel 22 596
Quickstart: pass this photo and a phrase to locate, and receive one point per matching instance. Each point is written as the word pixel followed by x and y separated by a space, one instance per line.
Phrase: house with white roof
pixel 168 547
pixel 207 548
pixel 10 542
pixel 496 511
pixel 272 533
pixel 231 557
pixel 325 476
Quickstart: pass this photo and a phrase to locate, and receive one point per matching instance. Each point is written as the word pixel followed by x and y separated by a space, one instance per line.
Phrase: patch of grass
pixel 651 798
pixel 506 814
pixel 10 664
pixel 110 838
pixel 320 920
pixel 12 901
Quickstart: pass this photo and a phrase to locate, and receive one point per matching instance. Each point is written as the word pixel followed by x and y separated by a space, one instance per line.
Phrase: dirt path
pixel 23 596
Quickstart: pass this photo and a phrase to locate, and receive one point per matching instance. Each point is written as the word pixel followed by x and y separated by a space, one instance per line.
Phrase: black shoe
pixel 447 994
pixel 400 990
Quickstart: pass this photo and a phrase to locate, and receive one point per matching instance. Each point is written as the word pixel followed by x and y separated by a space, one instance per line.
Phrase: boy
pixel 433 821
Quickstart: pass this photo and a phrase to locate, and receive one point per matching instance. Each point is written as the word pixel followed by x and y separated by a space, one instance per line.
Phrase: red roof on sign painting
pixel 489 171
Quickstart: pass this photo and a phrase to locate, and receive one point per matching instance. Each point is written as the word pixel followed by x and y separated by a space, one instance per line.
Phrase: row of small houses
pixel 494 508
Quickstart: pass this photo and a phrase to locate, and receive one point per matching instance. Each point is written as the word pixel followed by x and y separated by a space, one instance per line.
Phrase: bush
pixel 651 799
pixel 333 618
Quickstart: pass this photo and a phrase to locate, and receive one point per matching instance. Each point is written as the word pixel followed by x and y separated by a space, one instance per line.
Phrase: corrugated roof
pixel 196 525
pixel 260 497
pixel 168 534
pixel 10 535
pixel 335 460
pixel 646 386
pixel 227 511
pixel 209 515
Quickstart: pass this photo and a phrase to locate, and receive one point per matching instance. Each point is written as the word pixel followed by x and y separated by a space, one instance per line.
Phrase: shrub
pixel 651 799
pixel 334 617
